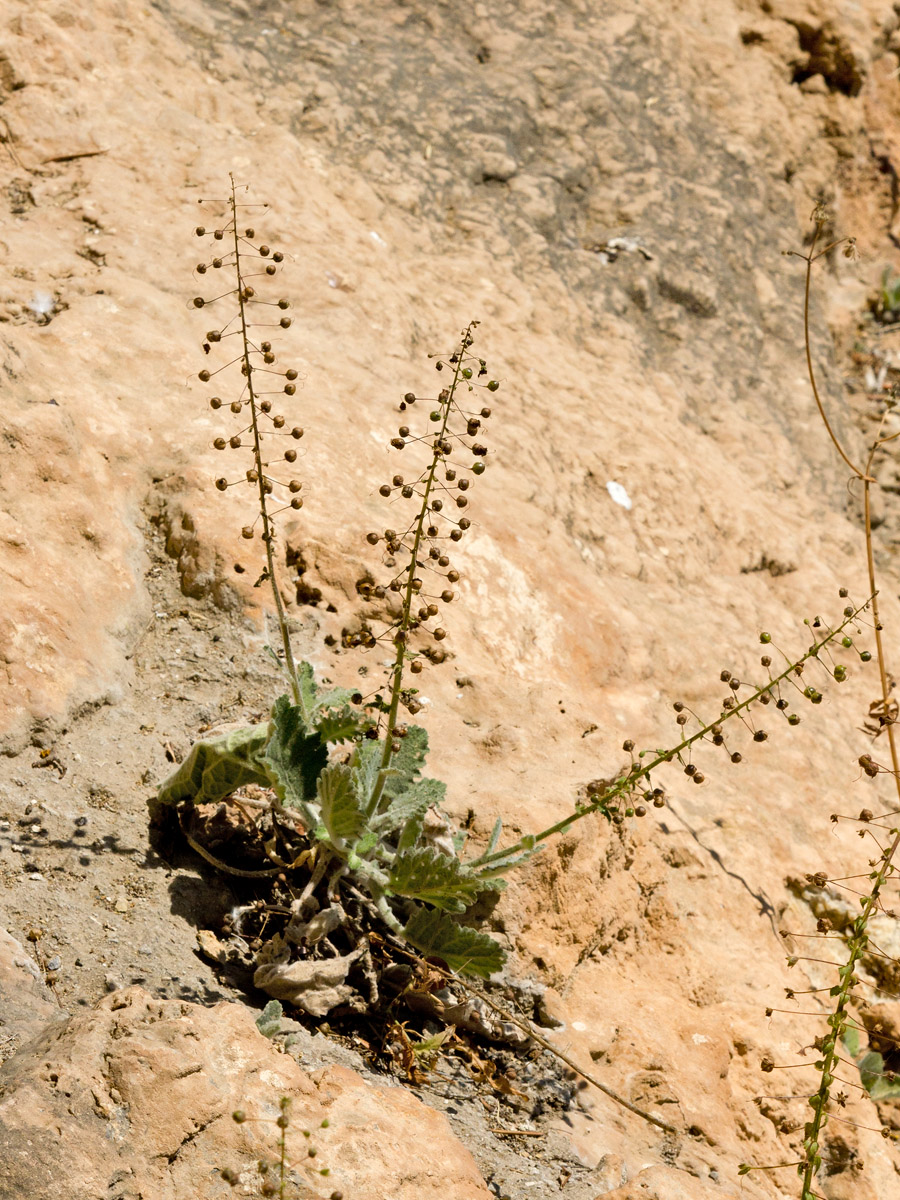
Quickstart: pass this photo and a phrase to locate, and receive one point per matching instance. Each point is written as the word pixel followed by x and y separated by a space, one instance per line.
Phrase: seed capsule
pixel 234 442
pixel 278 422
pixel 290 456
pixel 295 485
pixel 221 484
pixel 204 375
pixel 215 402
pixel 297 432
pixel 247 532
pixel 220 443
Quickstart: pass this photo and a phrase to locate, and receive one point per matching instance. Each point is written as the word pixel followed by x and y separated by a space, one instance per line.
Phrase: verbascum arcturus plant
pixel 353 835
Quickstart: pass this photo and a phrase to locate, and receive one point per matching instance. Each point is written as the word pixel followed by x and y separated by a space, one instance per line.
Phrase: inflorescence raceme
pixel 421 576
pixel 260 426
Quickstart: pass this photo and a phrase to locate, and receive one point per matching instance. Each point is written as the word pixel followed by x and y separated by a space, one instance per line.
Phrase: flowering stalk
pixel 254 359
pixel 438 484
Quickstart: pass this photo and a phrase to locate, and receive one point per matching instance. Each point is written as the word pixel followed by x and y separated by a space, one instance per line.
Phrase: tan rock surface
pixel 425 164
pixel 136 1098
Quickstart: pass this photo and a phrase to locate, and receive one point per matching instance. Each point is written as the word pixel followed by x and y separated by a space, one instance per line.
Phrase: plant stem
pixel 627 783
pixel 859 939
pixel 402 636
pixel 268 535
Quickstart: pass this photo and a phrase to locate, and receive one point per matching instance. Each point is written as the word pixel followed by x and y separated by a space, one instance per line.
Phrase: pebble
pixel 55 963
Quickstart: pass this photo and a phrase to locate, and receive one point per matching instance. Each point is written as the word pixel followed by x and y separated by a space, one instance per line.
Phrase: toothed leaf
pixel 412 803
pixel 406 764
pixel 341 814
pixel 338 725
pixel 463 949
pixel 365 765
pixel 295 755
pixel 215 768
pixel 427 874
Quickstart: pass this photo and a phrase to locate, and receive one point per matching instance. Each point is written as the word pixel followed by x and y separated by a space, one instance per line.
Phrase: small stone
pixel 55 963
pixel 121 904
pixel 111 983
pixel 147 951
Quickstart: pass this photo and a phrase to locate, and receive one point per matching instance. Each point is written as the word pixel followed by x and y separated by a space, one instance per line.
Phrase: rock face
pixel 609 188
pixel 136 1097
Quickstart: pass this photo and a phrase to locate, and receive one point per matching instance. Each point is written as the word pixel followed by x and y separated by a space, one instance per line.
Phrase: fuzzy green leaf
pixel 338 724
pixel 269 1020
pixel 406 765
pixel 427 874
pixel 871 1066
pixel 365 765
pixel 295 755
pixel 412 803
pixel 463 949
pixel 216 768
pixel 851 1041
pixel 341 813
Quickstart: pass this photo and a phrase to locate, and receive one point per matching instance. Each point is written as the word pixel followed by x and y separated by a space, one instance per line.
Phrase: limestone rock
pixel 135 1098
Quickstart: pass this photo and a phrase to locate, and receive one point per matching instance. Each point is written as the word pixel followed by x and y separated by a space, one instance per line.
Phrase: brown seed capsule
pixel 416 666
pixel 443 561
pixel 461 501
pixel 440 634
pixel 252 476
pixel 220 443
pixel 690 769
pixel 267 487
pixel 437 505
pixel 218 234
pixel 628 745
pixel 264 251
pixel 296 502
pixel 397 480
pixel 432 531
pixel 268 357
pixel 453 576
pixel 398 443
pixel 250 233
pixel 463 485
pixel 760 735
pixel 464 522
pixel 407 491
pixel 278 256
pixel 215 402
pixel 270 270
pixel 432 610
pixel 290 456
pixel 199 302
pixel 200 231
pixel 265 405
pixel 278 422
pixel 659 802
pixel 204 375
pixel 213 336
pixel 234 442
pixel 236 406
pixel 450 475
pixel 385 489
pixel 736 757
pixel 285 322
pixel 297 432
pixel 247 532
pixel 447 596
pixel 373 539
pixel 290 389
pixel 221 484
pixel 455 535
pixel 295 485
